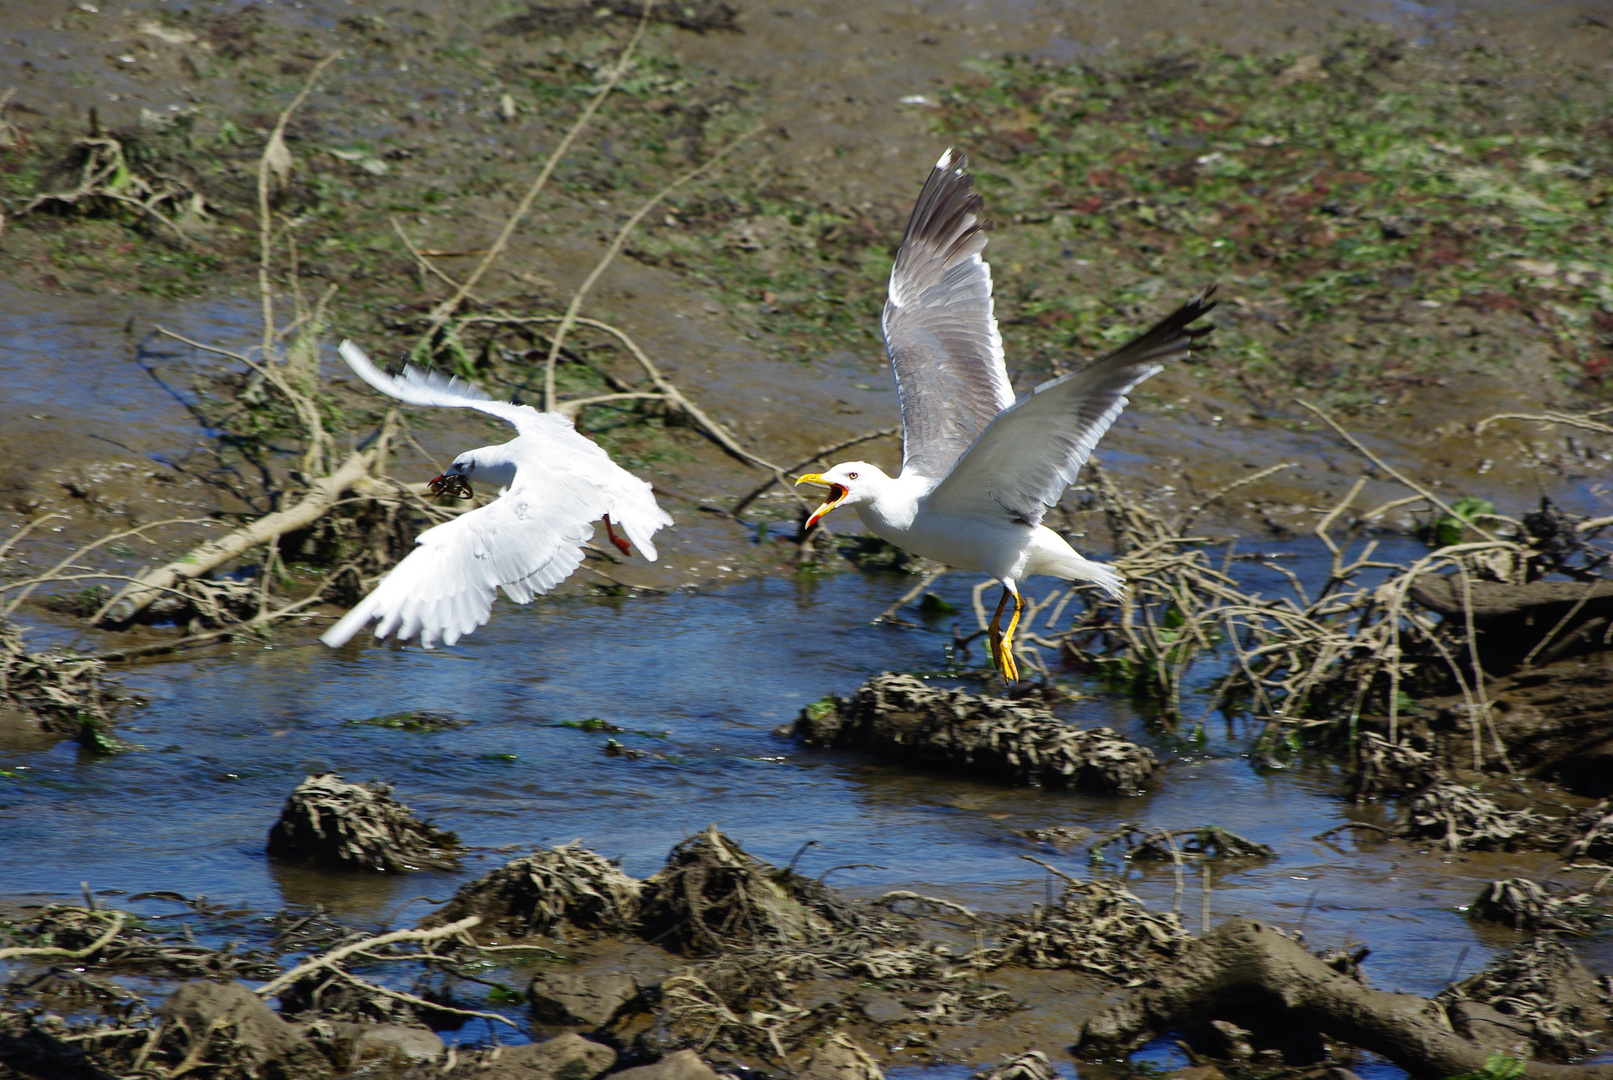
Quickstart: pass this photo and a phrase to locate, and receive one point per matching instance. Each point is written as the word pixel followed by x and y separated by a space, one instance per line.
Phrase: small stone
pixel 579 999
pixel 683 1065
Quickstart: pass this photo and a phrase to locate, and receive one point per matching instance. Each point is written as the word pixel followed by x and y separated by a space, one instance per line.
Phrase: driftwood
pixel 1254 966
pixel 323 492
pixel 1522 623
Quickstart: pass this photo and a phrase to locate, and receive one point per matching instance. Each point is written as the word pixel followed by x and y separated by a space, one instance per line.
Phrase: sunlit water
pixel 704 678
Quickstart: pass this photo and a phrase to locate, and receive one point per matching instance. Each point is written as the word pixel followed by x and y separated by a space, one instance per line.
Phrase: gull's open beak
pixel 837 495
pixel 453 484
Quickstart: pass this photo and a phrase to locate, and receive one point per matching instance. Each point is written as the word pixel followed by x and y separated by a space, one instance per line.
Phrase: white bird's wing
pixel 939 328
pixel 417 386
pixel 1031 453
pixel 526 542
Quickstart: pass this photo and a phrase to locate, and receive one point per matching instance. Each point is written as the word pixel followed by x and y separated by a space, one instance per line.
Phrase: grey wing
pixel 1024 462
pixel 416 386
pixel 939 328
pixel 525 542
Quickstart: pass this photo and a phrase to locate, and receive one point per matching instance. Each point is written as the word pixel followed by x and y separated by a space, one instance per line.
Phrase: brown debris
pixel 1461 819
pixel 1170 845
pixel 536 894
pixel 1097 926
pixel 1527 905
pixel 902 716
pixel 711 896
pixel 357 827
pixel 1538 1000
pixel 67 694
pixel 1031 1065
pixel 1592 833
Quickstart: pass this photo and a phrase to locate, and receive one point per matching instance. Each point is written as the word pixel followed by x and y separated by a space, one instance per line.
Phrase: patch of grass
pixel 1368 212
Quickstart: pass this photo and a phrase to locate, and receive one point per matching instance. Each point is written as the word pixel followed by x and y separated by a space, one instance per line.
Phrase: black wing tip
pixel 948 195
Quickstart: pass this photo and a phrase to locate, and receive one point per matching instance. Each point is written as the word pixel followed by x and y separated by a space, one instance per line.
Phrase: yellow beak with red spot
pixel 837 495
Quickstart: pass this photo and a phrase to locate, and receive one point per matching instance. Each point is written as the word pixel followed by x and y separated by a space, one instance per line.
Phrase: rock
pixel 392 1045
pixel 886 1009
pixel 903 717
pixel 1492 1029
pixel 564 1057
pixel 841 1059
pixel 240 1030
pixel 357 827
pixel 31 1046
pixel 683 1065
pixel 587 1000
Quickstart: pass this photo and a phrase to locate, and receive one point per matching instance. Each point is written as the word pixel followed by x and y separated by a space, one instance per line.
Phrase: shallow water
pixel 706 676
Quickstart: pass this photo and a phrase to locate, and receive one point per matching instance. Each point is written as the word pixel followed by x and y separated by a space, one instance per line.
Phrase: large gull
pixel 980 471
pixel 556 483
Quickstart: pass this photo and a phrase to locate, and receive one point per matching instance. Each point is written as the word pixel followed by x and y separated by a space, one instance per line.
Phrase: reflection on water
pixel 702 679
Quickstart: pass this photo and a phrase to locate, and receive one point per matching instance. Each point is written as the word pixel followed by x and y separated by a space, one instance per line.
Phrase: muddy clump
pixel 1387 768
pixel 697 15
pixel 712 896
pixel 903 717
pixel 1172 845
pixel 1527 905
pixel 537 894
pixel 1591 833
pixel 1096 926
pixel 1460 819
pixel 66 694
pixel 1536 1001
pixel 357 827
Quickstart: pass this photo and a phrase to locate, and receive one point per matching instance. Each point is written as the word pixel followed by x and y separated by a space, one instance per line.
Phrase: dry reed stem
pixel 445 310
pixel 336 955
pixel 616 245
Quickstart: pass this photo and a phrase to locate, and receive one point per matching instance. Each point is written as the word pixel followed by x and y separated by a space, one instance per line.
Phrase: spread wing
pixel 525 542
pixel 1033 451
pixel 939 328
pixel 416 386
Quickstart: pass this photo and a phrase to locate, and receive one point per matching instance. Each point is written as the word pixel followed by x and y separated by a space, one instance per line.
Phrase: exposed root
pixel 537 894
pixel 117 943
pixel 902 716
pixel 1245 966
pixel 358 827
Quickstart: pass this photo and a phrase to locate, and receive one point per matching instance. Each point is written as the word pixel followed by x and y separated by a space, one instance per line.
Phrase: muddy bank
pixel 752 966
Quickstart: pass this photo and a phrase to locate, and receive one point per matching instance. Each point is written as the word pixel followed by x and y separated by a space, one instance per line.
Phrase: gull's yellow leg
pixel 995 631
pixel 1005 658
